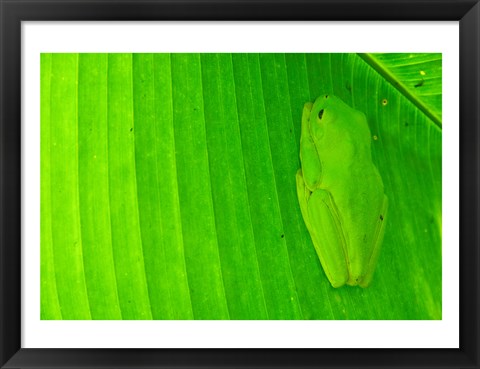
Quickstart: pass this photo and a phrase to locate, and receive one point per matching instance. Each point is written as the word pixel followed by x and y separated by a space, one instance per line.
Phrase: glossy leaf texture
pixel 168 189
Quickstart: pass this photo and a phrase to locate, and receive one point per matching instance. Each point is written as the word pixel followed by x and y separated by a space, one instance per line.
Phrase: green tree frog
pixel 340 191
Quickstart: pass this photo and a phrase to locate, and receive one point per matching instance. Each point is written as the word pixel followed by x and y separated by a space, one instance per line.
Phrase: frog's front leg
pixel 303 194
pixel 328 236
pixel 311 166
pixel 377 240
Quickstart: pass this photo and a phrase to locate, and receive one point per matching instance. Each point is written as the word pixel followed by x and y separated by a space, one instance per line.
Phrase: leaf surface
pixel 168 185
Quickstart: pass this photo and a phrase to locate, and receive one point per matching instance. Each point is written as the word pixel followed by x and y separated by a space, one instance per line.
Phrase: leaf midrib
pixel 396 83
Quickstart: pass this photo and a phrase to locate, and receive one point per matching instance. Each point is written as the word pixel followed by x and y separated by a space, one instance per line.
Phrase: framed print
pixel 239 184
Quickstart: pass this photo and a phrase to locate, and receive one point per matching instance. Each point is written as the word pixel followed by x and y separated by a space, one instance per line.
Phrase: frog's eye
pixel 320 114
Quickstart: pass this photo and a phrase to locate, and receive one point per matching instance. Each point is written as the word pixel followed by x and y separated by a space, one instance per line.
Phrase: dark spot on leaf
pixel 348 87
pixel 320 114
pixel 381 217
pixel 326 96
pixel 420 84
pixel 131 129
pixel 406 124
pixel 364 238
pixel 282 235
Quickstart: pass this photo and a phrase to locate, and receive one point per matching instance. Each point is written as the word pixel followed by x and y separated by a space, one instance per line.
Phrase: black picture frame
pixel 13 12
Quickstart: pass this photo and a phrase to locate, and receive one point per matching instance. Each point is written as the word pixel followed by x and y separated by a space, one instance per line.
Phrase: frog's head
pixel 324 116
pixel 333 121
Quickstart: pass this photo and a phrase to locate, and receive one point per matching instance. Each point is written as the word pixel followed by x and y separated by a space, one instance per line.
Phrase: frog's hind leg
pixel 327 236
pixel 378 237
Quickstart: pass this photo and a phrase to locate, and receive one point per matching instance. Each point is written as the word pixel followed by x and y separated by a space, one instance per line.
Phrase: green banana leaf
pixel 168 186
